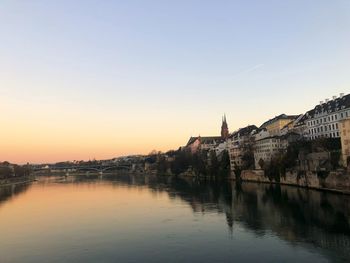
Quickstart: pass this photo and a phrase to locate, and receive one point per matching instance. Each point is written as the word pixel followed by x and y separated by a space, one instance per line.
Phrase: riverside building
pixel 324 120
pixel 209 143
pixel 345 140
pixel 240 142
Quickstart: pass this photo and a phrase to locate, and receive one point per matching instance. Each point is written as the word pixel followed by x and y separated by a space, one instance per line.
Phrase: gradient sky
pixel 99 79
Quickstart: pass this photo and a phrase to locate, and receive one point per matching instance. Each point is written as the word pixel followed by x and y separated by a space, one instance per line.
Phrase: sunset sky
pixel 100 79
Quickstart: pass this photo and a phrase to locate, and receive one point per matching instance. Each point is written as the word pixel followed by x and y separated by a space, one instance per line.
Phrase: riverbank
pixel 336 181
pixel 16 180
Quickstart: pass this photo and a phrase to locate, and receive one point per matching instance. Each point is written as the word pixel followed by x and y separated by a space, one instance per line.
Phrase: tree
pixel 214 164
pixel 181 162
pixel 224 164
pixel 237 170
pixel 248 159
pixel 198 163
pixel 161 165
pixel 261 163
pixel 5 172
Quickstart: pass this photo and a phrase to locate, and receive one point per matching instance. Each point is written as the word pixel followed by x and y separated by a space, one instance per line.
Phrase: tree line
pixel 201 163
pixel 8 170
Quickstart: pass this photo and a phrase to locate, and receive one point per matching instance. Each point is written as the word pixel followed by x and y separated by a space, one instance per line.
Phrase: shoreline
pixel 336 191
pixel 263 180
pixel 7 182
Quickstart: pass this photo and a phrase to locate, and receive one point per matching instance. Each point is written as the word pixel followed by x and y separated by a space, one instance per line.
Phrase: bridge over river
pixel 85 168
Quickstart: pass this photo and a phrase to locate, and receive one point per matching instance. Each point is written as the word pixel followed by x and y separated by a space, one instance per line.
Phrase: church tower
pixel 224 128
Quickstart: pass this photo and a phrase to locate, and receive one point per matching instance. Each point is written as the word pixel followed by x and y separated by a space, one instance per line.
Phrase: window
pixel 332 118
pixel 336 125
pixel 324 119
pixel 333 126
pixel 341 115
pixel 325 128
pixel 335 116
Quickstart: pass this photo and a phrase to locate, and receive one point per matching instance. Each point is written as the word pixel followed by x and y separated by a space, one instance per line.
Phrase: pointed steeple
pixel 224 128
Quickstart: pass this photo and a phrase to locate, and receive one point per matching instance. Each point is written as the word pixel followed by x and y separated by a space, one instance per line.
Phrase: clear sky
pixel 99 79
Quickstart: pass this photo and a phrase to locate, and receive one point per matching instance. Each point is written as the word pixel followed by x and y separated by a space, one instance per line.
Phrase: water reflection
pixel 297 215
pixel 10 191
pixel 254 214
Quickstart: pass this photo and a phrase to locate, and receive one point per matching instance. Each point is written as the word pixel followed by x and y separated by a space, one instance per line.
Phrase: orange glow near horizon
pixel 47 134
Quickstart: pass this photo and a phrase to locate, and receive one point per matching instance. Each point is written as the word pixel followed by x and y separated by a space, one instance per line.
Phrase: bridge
pixel 73 168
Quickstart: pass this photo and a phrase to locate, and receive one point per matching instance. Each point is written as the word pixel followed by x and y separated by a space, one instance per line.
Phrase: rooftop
pixel 205 139
pixel 279 117
pixel 329 106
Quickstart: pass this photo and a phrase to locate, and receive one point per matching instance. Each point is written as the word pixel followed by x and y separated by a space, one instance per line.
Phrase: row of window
pixel 267 150
pixel 327 135
pixel 329 118
pixel 325 128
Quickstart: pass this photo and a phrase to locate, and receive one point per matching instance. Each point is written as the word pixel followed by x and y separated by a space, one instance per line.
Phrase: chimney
pixel 327 100
pixel 321 102
pixel 341 95
pixel 334 97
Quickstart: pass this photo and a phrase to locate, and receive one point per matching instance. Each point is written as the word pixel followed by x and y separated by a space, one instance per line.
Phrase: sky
pixel 100 79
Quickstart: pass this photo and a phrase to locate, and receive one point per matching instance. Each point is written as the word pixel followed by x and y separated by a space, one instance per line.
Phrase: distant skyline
pixel 91 79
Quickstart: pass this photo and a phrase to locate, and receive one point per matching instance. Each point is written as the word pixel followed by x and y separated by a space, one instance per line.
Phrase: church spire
pixel 224 128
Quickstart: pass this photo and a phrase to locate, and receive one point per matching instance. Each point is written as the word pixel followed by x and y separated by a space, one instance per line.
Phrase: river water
pixel 133 218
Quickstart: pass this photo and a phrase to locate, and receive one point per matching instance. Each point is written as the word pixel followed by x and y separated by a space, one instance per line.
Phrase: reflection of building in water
pixel 295 215
pixel 9 191
pixel 299 216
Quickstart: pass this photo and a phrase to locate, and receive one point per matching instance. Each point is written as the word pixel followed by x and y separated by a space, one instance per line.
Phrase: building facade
pixel 199 143
pixel 239 143
pixel 209 143
pixel 324 120
pixel 345 140
pixel 275 125
pixel 266 148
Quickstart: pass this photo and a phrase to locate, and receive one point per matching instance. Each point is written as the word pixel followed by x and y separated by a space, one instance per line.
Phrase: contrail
pixel 248 70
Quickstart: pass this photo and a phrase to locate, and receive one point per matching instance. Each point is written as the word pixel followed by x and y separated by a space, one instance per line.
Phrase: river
pixel 134 218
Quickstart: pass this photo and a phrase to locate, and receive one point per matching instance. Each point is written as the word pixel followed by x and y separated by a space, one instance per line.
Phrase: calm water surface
pixel 152 219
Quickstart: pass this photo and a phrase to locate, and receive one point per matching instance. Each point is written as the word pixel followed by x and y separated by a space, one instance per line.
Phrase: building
pixel 196 144
pixel 221 147
pixel 299 126
pixel 266 147
pixel 275 125
pixel 224 129
pixel 345 140
pixel 208 143
pixel 240 142
pixel 324 119
pixel 295 126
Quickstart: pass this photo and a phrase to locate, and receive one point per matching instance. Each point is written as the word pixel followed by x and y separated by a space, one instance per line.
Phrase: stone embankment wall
pixel 334 181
